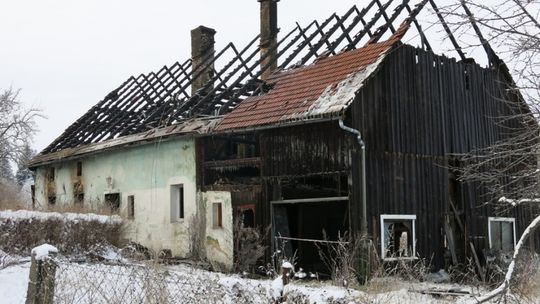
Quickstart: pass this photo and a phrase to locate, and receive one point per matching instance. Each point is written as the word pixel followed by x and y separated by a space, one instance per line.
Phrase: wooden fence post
pixel 42 276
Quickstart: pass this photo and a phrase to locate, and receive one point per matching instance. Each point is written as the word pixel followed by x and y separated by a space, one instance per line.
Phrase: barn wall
pixel 414 113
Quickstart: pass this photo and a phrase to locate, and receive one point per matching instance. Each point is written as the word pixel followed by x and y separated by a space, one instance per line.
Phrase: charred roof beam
pixel 359 17
pixel 307 42
pixel 493 59
pixel 447 30
pixel 383 28
pixel 323 39
pixel 367 28
pixel 423 37
pixel 385 16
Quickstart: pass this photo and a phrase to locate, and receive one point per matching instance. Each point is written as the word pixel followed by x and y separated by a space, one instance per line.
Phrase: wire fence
pixel 67 282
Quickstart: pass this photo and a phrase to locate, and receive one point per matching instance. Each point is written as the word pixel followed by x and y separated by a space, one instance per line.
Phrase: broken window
pixel 79 198
pixel 398 236
pixel 52 200
pixel 79 168
pixel 177 202
pixel 131 207
pixel 248 217
pixel 501 232
pixel 112 201
pixel 217 215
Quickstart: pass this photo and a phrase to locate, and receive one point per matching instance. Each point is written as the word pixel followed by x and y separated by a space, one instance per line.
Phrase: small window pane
pixel 177 203
pixel 79 168
pixel 217 215
pixel 496 235
pixel 131 206
pixel 181 202
pixel 507 236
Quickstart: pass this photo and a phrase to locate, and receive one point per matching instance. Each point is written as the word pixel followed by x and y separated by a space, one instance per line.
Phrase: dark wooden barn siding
pixel 304 150
pixel 414 113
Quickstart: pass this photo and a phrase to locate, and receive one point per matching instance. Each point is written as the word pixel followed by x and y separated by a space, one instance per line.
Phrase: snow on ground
pixel 65 216
pixel 188 284
pixel 13 283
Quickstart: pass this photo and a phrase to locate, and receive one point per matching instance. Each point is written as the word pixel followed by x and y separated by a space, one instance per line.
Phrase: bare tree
pixel 509 168
pixel 17 125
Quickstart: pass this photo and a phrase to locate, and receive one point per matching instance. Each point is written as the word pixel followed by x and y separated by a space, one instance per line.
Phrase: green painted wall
pixel 148 172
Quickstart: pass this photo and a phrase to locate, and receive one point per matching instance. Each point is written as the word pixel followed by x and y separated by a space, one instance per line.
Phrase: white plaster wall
pixel 147 172
pixel 219 241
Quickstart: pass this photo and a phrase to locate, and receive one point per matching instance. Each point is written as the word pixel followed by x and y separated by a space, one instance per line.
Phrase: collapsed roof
pixel 336 53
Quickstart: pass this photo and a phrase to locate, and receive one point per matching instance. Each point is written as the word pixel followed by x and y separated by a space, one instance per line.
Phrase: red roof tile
pixel 297 93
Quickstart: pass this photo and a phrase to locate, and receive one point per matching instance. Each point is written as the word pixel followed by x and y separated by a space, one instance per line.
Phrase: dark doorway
pixel 297 225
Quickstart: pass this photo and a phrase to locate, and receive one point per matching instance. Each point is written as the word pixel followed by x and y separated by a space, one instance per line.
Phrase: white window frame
pixel 501 219
pixel 175 202
pixel 410 217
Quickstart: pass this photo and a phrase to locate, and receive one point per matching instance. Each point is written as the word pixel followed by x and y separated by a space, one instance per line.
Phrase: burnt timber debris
pixel 267 130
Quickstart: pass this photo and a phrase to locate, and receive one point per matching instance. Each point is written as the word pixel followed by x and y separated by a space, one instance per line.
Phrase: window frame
pixel 131 207
pixel 501 219
pixel 79 168
pixel 405 217
pixel 178 202
pixel 113 209
pixel 219 211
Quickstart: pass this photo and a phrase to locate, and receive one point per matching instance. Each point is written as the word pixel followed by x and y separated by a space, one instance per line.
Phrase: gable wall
pixel 147 172
pixel 417 110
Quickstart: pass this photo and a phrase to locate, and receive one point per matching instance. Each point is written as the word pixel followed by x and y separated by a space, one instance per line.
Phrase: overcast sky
pixel 67 55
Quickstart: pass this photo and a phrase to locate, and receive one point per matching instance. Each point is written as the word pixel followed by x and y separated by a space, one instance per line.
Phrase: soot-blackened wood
pixel 415 113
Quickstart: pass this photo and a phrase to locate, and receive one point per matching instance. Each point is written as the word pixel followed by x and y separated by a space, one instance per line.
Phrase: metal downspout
pixel 363 226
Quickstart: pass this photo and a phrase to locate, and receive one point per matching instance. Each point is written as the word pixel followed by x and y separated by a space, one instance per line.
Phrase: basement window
pixel 217 215
pixel 112 201
pixel 131 206
pixel 51 200
pixel 502 233
pixel 177 203
pixel 398 236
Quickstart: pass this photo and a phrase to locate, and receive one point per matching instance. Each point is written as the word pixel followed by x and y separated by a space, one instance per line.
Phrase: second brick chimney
pixel 202 56
pixel 269 31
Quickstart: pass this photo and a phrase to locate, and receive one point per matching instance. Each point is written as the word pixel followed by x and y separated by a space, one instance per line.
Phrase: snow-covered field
pixel 13 283
pixel 200 286
pixel 147 282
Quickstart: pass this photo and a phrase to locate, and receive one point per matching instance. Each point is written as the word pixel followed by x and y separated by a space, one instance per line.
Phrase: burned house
pixel 337 126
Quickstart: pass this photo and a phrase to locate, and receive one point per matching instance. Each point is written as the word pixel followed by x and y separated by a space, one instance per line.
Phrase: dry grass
pixel 248 247
pixel 526 282
pixel 11 205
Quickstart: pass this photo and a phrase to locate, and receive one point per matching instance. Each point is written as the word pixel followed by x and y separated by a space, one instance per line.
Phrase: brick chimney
pixel 269 30
pixel 202 53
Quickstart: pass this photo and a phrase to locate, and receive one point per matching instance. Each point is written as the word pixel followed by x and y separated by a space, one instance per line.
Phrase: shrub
pixel 71 233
